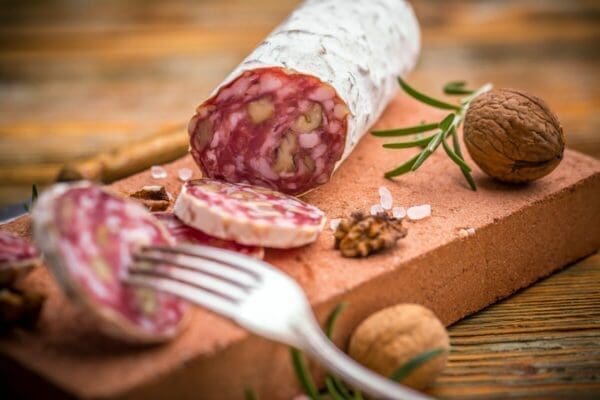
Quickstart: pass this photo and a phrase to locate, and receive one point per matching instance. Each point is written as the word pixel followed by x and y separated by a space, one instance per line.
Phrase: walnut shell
pixel 389 338
pixel 513 136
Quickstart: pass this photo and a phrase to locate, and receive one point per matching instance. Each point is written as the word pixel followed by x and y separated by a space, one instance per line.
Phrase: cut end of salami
pixel 87 236
pixel 247 214
pixel 17 258
pixel 271 127
pixel 187 234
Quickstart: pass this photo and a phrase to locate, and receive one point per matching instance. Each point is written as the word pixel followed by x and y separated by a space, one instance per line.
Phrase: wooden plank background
pixel 82 78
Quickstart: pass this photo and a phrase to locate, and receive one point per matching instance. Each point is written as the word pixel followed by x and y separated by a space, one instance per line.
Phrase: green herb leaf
pixel 456 88
pixel 406 145
pixel 406 131
pixel 458 151
pixel 414 363
pixel 303 375
pixel 454 157
pixel 249 394
pixel 402 169
pixel 332 389
pixel 435 142
pixel 331 320
pixel 423 98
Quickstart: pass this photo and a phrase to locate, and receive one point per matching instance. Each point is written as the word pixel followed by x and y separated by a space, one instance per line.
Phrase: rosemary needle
pixel 447 127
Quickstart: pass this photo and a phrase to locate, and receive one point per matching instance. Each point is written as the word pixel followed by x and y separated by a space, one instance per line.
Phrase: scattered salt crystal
pixel 334 223
pixel 158 172
pixel 184 174
pixel 398 212
pixel 385 198
pixel 419 212
pixel 376 209
pixel 465 232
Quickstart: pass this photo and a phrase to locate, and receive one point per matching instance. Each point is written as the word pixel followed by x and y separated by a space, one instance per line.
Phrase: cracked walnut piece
pixel 513 136
pixel 361 235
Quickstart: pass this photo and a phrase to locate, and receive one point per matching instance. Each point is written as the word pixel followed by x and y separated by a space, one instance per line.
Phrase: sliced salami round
pixel 17 258
pixel 87 236
pixel 247 214
pixel 294 109
pixel 186 234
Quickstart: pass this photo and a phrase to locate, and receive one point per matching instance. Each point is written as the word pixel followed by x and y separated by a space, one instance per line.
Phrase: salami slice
pixel 87 236
pixel 17 258
pixel 247 214
pixel 297 105
pixel 186 234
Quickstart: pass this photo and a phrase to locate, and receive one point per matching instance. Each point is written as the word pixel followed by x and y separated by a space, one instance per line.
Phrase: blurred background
pixel 104 88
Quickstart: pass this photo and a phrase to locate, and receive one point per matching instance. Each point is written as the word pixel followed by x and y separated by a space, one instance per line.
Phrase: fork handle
pixel 317 345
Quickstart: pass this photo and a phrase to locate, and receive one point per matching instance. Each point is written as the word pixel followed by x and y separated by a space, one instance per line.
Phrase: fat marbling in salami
pixel 246 214
pixel 17 258
pixel 87 236
pixel 294 109
pixel 186 234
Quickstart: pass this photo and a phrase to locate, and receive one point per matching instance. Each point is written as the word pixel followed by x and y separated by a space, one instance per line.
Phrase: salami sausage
pixel 294 109
pixel 186 234
pixel 17 258
pixel 87 236
pixel 247 214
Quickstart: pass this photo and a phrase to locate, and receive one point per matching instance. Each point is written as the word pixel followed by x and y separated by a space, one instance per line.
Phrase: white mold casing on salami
pixel 249 215
pixel 64 264
pixel 358 47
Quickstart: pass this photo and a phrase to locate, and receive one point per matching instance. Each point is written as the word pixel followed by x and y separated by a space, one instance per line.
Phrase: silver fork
pixel 259 298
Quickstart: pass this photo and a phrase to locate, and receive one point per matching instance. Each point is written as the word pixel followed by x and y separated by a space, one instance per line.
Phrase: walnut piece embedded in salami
pixel 87 236
pixel 247 214
pixel 186 234
pixel 294 109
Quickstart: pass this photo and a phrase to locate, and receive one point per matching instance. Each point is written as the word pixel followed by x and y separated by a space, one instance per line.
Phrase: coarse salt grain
pixel 184 174
pixel 376 209
pixel 465 232
pixel 398 212
pixel 419 212
pixel 158 172
pixel 385 198
pixel 334 223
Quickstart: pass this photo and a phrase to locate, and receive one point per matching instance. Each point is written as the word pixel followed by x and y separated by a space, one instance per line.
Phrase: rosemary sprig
pixel 408 368
pixel 445 128
pixel 334 387
pixel 303 376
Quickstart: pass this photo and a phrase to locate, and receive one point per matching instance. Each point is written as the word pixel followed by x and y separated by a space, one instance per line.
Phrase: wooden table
pixel 78 79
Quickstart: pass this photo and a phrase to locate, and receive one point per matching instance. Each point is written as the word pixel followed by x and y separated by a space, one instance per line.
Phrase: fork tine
pixel 204 266
pixel 232 259
pixel 157 267
pixel 196 295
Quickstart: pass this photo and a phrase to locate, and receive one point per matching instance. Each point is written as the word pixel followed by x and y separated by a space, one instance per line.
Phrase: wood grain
pixel 543 342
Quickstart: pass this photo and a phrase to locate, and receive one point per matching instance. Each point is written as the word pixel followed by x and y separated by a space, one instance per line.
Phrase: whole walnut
pixel 513 136
pixel 389 338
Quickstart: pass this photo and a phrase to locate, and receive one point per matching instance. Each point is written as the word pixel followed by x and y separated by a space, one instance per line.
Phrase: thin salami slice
pixel 186 234
pixel 247 214
pixel 17 258
pixel 295 108
pixel 87 236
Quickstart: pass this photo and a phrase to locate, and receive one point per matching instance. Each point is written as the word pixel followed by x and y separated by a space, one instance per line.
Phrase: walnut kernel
pixel 513 136
pixel 361 235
